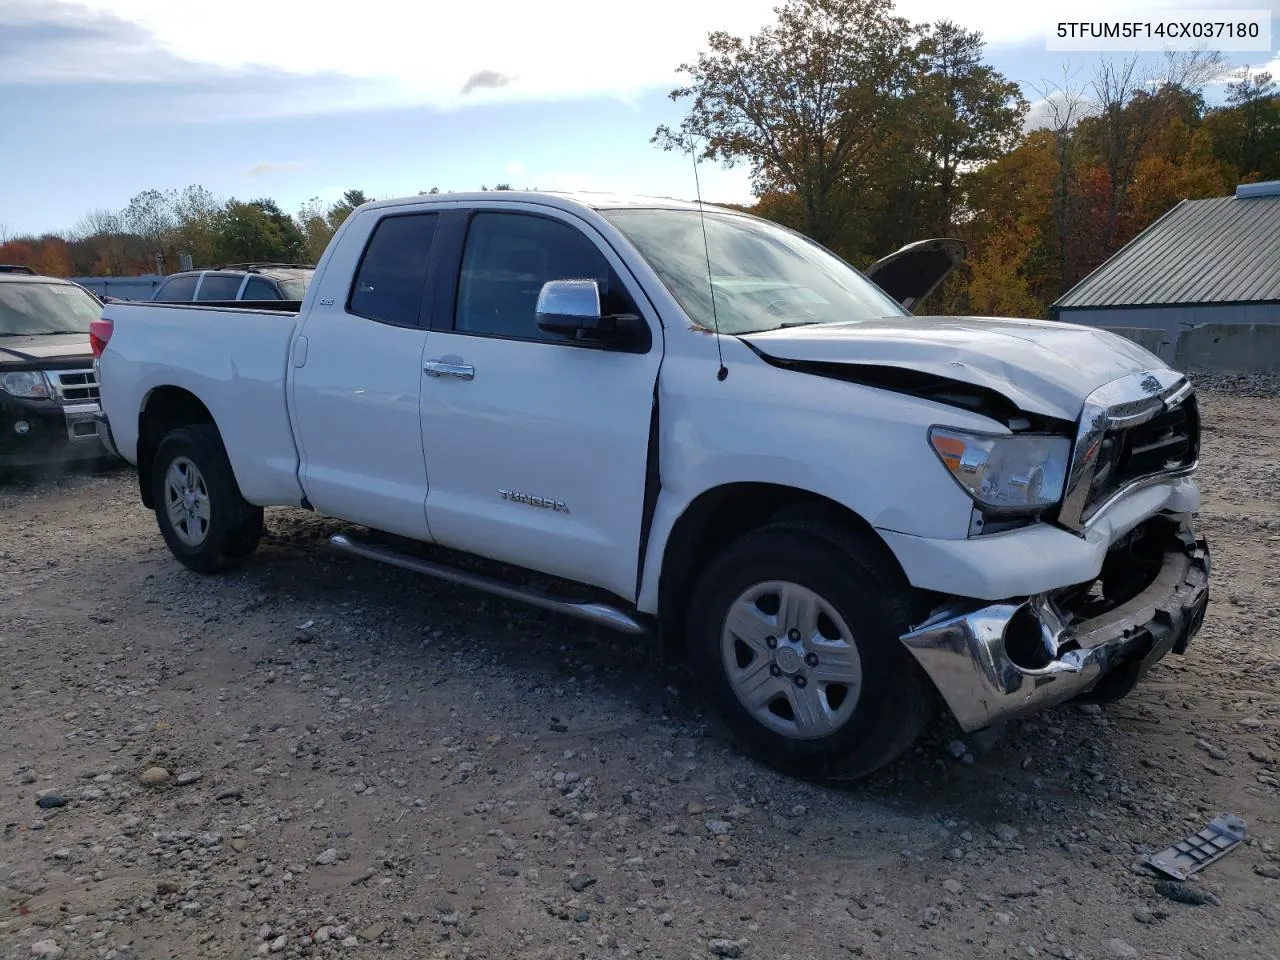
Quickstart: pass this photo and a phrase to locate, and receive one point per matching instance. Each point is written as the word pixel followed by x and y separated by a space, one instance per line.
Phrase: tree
pixel 1256 127
pixel 150 217
pixel 17 251
pixel 968 115
pixel 1066 106
pixel 196 213
pixel 345 206
pixel 802 102
pixel 52 257
pixel 258 231
pixel 1132 103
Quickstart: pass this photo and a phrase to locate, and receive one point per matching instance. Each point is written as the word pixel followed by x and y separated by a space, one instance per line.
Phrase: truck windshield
pixel 40 309
pixel 764 276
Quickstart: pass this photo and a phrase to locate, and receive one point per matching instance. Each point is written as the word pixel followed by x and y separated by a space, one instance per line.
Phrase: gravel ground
pixel 318 756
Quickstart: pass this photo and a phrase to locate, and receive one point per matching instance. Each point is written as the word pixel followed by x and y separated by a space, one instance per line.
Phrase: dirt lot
pixel 423 772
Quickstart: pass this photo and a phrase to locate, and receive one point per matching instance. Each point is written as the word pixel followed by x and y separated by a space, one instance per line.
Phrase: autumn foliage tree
pixel 868 132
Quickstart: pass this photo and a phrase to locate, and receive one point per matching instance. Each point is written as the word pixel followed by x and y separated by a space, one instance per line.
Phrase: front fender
pixel 863 448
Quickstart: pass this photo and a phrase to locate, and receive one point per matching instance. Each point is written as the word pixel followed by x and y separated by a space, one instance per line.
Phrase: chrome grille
pixel 1132 431
pixel 75 386
pixel 1163 444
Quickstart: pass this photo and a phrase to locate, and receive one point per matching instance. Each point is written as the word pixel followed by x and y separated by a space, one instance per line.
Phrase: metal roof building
pixel 1205 262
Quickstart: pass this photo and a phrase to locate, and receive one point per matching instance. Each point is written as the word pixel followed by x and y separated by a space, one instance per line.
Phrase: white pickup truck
pixel 693 423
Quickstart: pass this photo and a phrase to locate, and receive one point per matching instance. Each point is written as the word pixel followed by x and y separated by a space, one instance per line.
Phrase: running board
pixel 597 613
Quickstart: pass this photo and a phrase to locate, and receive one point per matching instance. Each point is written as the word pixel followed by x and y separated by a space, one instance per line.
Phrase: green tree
pixel 196 214
pixel 150 217
pixel 258 231
pixel 968 113
pixel 803 102
pixel 1251 126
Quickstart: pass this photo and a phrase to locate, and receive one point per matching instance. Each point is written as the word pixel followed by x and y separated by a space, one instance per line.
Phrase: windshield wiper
pixel 797 323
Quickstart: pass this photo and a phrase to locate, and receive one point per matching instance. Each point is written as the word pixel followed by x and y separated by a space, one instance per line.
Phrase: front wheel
pixel 795 630
pixel 206 522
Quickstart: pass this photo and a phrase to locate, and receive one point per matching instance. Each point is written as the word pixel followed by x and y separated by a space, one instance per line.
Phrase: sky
pixel 101 99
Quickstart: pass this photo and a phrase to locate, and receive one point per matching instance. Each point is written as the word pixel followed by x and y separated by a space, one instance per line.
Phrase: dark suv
pixel 237 281
pixel 48 386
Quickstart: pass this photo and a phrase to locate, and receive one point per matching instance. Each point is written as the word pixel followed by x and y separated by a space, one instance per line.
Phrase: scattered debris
pixel 1200 849
pixel 1187 893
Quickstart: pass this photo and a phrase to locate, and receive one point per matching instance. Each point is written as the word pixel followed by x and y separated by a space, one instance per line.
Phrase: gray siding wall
pixel 1159 329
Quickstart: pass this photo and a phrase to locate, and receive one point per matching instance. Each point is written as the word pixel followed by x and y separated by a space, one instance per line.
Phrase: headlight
pixel 26 383
pixel 1005 473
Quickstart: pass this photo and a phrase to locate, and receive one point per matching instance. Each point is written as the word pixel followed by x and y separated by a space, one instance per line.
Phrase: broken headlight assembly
pixel 1005 474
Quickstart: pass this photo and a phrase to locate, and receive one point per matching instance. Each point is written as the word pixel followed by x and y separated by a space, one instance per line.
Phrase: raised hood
pixel 913 272
pixel 1045 368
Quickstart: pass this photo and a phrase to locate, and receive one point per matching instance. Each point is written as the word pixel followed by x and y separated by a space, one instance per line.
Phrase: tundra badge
pixel 556 505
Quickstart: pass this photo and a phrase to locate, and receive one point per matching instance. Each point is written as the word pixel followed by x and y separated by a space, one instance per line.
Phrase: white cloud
pixel 267 167
pixel 387 53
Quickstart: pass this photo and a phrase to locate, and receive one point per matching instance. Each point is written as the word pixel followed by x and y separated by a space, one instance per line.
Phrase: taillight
pixel 99 334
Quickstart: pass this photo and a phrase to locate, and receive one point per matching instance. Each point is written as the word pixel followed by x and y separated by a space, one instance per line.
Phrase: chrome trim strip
pixel 1127 402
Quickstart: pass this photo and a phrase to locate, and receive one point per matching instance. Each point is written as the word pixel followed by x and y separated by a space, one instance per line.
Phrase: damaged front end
pixel 1093 640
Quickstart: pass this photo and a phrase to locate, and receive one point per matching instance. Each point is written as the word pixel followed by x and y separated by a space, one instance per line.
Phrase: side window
pixel 259 289
pixel 177 289
pixel 507 259
pixel 220 286
pixel 390 278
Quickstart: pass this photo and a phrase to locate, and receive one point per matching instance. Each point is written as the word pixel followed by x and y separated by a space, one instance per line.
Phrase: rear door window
pixel 389 282
pixel 177 289
pixel 259 289
pixel 220 286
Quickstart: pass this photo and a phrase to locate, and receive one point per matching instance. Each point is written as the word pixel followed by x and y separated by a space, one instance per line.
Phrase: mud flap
pixel 1200 849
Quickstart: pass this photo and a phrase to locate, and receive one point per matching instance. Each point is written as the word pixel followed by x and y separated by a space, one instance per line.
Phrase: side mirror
pixel 568 307
pixel 572 309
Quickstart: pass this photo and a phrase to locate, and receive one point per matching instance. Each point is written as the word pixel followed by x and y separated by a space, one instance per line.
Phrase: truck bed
pixel 233 357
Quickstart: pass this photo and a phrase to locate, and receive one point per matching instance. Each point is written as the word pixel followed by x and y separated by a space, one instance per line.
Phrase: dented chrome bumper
pixel 970 654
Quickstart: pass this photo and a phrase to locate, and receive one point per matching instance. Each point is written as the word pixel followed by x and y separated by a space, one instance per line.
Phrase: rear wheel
pixel 795 630
pixel 206 522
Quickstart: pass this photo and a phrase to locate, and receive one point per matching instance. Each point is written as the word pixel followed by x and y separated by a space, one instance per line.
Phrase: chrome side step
pixel 597 613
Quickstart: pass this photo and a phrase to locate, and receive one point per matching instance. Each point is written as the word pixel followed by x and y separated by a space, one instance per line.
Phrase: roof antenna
pixel 706 249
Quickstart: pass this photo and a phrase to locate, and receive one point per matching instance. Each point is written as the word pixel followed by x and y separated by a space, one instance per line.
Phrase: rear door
pixel 357 371
pixel 537 445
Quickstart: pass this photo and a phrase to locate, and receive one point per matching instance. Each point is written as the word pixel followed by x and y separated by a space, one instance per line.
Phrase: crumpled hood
pixel 1044 367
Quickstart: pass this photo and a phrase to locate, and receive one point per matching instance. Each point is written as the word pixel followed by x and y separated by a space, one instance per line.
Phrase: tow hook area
pixel 1020 656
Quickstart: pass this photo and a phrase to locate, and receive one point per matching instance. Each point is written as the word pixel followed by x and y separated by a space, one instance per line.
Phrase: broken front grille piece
pixel 1200 849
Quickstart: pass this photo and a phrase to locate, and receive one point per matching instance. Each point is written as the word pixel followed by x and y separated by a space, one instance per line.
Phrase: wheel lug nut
pixel 811 659
pixel 771 641
pixel 800 680
pixel 793 635
pixel 775 670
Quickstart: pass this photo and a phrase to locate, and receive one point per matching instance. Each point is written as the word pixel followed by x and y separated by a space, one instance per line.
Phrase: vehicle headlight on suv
pixel 30 384
pixel 1003 473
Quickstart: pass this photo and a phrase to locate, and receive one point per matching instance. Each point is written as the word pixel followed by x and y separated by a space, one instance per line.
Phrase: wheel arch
pixel 164 409
pixel 720 515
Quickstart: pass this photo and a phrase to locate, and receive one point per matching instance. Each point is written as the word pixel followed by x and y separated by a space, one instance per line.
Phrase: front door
pixel 357 372
pixel 536 445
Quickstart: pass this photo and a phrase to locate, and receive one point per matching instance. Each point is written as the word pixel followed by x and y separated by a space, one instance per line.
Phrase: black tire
pixel 895 701
pixel 234 526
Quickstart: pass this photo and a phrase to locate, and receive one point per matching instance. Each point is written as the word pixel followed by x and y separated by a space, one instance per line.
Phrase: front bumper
pixel 38 432
pixel 969 654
